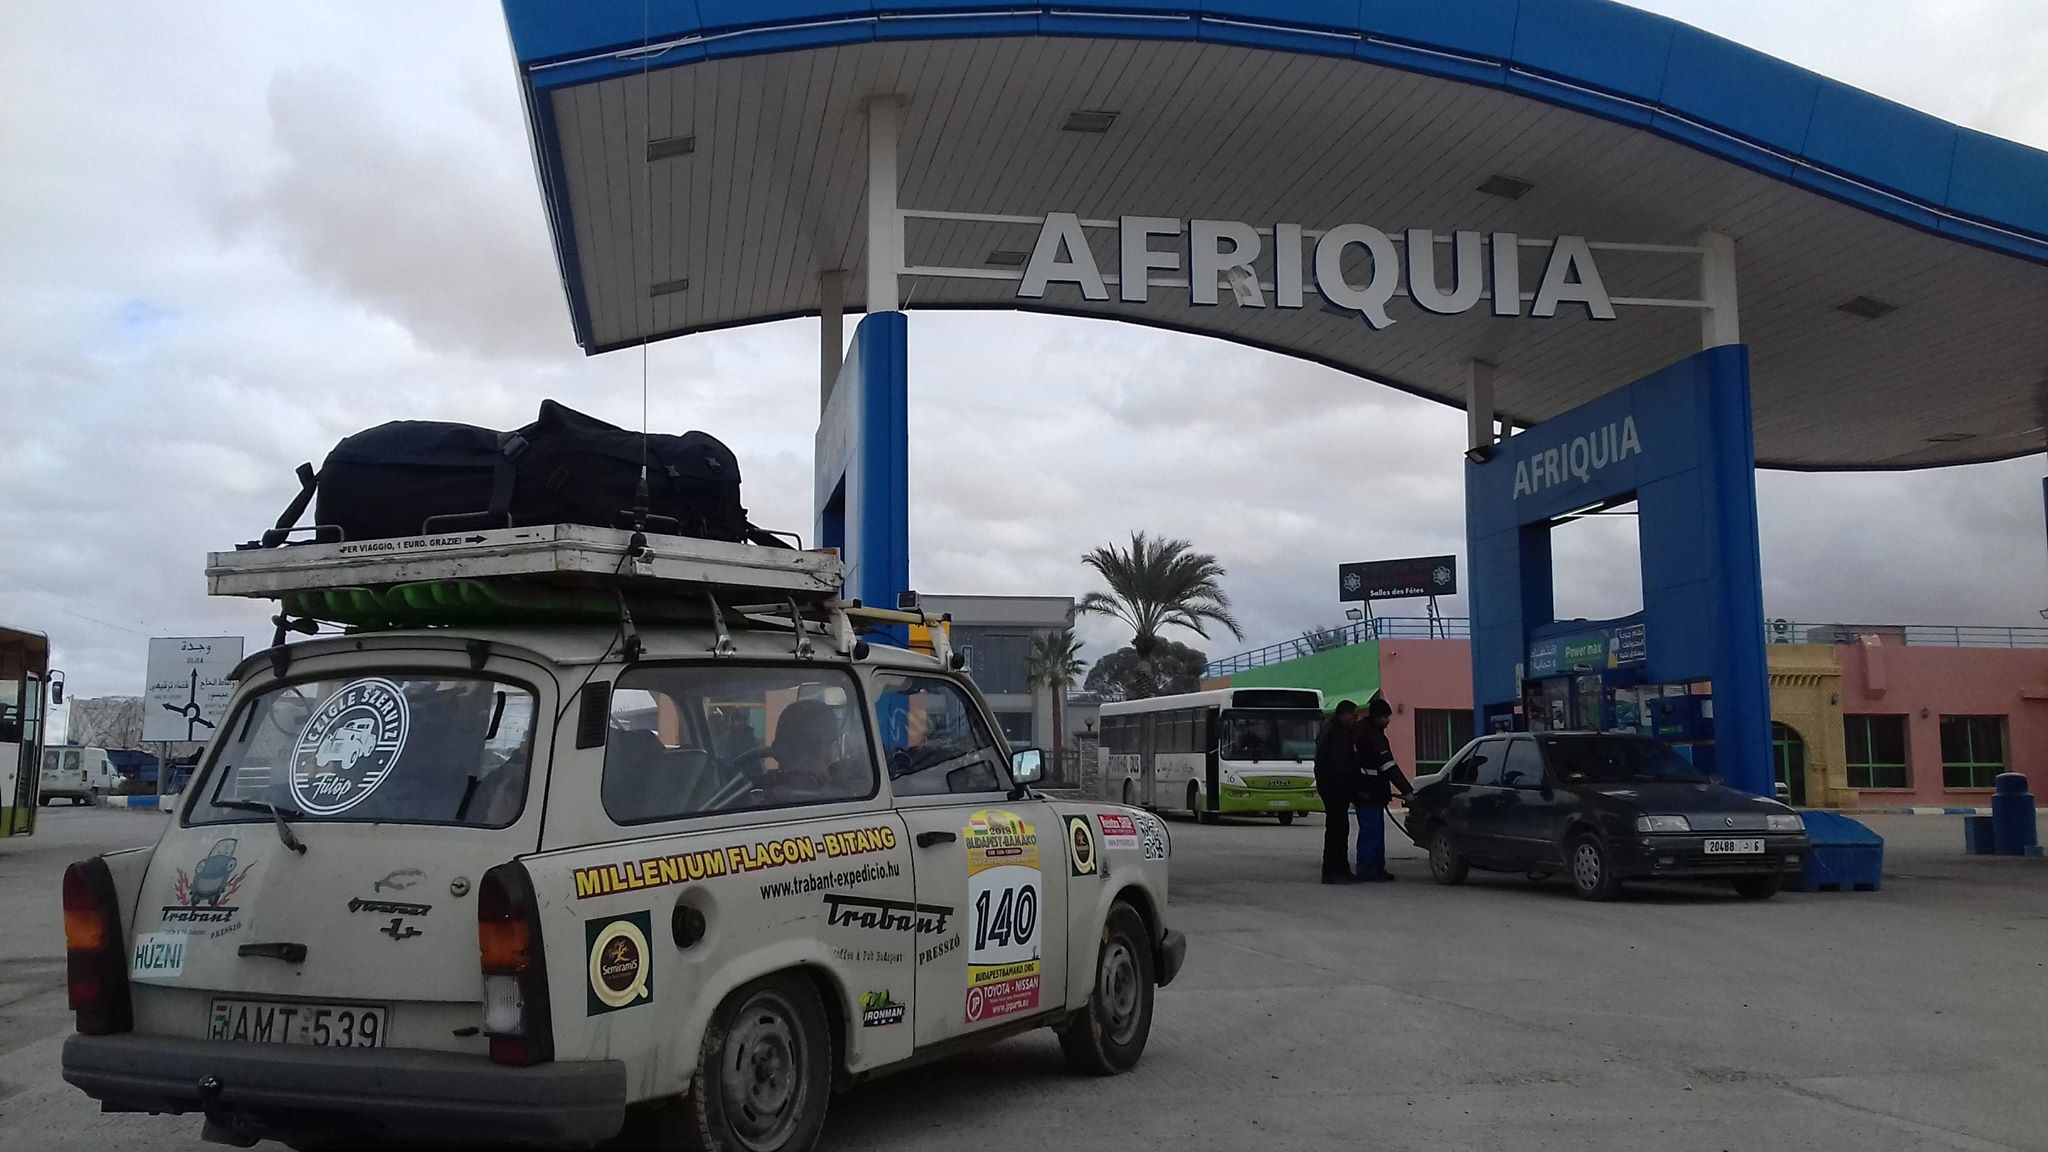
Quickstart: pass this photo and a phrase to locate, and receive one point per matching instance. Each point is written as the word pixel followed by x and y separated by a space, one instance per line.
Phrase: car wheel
pixel 1445 865
pixel 764 1073
pixel 43 800
pixel 1109 1035
pixel 1759 887
pixel 1592 872
pixel 1286 818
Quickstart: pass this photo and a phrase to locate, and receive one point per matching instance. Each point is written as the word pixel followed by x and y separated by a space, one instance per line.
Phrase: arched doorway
pixel 1788 761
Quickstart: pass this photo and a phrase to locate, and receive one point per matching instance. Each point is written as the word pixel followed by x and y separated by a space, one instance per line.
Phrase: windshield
pixel 389 748
pixel 1276 734
pixel 1617 759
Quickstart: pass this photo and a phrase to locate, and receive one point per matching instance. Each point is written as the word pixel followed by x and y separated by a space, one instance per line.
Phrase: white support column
pixel 1478 405
pixel 1719 321
pixel 831 332
pixel 885 227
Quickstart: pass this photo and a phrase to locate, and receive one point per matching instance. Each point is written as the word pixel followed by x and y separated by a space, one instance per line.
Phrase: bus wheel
pixel 1130 795
pixel 1286 818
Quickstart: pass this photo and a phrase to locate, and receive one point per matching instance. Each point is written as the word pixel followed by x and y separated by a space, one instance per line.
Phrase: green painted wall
pixel 1348 673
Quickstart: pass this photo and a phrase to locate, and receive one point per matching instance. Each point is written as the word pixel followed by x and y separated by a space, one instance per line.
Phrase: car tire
pixel 1108 1036
pixel 1592 869
pixel 1759 887
pixel 763 1077
pixel 1445 865
pixel 1286 818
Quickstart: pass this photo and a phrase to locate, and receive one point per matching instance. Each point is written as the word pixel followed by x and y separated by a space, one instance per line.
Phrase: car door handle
pixel 927 839
pixel 289 953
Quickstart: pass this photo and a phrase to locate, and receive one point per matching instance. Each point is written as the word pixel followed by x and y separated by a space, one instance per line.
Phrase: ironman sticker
pixel 1002 910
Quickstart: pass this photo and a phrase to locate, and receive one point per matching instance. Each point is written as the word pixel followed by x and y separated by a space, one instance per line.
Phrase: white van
pixel 80 775
pixel 512 885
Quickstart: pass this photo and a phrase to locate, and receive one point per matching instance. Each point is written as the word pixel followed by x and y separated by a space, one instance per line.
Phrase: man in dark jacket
pixel 1379 778
pixel 1337 782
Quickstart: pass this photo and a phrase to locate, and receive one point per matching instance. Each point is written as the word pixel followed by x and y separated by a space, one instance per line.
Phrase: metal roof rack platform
pixel 547 573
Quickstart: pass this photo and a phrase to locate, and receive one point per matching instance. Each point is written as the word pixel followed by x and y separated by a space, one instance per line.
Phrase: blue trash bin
pixel 2013 829
pixel 1846 856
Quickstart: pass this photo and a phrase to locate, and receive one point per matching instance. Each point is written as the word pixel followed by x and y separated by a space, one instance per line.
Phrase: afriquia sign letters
pixel 1578 458
pixel 1218 252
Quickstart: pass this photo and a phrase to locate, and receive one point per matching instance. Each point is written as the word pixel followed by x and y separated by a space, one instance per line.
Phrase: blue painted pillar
pixel 862 455
pixel 1680 443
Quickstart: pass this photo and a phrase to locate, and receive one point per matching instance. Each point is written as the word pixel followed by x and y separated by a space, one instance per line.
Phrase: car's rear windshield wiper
pixel 279 816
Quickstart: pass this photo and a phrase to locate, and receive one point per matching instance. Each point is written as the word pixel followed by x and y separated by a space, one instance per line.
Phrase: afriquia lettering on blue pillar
pixel 1678 443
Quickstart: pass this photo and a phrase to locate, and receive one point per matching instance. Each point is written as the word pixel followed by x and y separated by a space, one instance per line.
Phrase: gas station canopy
pixel 708 164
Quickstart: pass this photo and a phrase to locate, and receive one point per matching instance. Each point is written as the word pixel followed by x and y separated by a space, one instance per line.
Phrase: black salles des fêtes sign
pixel 1398 579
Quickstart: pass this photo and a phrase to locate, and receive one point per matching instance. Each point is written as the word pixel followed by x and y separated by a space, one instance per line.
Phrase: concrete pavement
pixel 1500 1015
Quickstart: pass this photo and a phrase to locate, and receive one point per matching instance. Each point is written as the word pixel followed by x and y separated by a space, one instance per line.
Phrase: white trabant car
pixel 532 885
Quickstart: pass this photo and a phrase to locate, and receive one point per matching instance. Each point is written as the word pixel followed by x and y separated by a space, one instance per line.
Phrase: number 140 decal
pixel 1011 921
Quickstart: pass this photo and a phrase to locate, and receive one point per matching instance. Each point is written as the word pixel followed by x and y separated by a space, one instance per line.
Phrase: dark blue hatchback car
pixel 1601 808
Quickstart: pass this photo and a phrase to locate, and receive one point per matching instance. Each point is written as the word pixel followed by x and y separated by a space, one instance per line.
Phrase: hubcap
pixel 1586 866
pixel 1120 991
pixel 762 1070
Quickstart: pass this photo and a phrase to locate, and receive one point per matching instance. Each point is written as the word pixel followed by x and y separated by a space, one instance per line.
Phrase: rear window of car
pixel 400 748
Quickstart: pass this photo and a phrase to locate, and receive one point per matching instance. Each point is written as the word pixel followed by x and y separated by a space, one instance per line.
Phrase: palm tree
pixel 1054 664
pixel 1157 584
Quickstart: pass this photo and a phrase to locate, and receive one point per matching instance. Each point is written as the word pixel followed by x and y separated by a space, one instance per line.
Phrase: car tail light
pixel 95 961
pixel 515 973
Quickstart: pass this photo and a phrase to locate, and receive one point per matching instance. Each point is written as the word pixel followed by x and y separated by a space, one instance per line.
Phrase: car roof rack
pixel 546 574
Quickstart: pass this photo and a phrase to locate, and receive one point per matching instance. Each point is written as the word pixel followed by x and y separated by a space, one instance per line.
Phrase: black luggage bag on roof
pixel 415 477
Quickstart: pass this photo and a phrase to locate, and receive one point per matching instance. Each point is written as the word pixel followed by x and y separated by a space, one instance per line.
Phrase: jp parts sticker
pixel 1080 846
pixel 621 963
pixel 1003 897
pixel 348 746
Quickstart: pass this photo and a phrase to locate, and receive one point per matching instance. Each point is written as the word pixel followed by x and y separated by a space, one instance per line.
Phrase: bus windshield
pixel 1270 734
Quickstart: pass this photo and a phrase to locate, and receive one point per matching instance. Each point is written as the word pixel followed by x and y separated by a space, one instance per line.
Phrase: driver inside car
pixel 809 765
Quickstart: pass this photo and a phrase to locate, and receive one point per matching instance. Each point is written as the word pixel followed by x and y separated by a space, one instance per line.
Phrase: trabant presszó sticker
pixel 621 962
pixel 1002 898
pixel 706 863
pixel 347 747
pixel 201 897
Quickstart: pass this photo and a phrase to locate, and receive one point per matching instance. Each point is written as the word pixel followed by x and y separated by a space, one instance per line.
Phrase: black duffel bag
pixel 386 481
pixel 416 477
pixel 577 469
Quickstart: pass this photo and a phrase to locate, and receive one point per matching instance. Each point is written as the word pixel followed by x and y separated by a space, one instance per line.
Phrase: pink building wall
pixel 1925 683
pixel 1422 674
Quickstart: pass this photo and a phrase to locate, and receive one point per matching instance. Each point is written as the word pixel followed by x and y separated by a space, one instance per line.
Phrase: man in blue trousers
pixel 1379 777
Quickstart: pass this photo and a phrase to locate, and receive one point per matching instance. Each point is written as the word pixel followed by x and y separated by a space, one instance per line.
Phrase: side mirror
pixel 1027 766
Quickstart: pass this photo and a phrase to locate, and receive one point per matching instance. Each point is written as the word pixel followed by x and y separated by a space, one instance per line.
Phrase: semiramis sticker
pixel 1003 904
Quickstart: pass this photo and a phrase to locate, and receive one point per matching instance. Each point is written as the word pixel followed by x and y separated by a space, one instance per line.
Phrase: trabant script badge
pixel 459 886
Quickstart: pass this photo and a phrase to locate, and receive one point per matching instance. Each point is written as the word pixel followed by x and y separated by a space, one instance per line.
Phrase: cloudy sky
pixel 231 233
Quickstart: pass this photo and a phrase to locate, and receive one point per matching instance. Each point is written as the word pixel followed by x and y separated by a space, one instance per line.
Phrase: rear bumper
pixel 1684 857
pixel 1173 949
pixel 276 1090
pixel 1259 802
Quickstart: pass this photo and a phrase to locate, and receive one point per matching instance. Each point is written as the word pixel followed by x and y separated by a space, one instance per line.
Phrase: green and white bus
pixel 1233 751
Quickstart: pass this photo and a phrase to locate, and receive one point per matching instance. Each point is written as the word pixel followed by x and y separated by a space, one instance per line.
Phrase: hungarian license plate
pixel 1735 847
pixel 320 1025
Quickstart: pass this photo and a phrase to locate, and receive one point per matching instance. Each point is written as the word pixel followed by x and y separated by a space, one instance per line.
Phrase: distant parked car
pixel 1601 808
